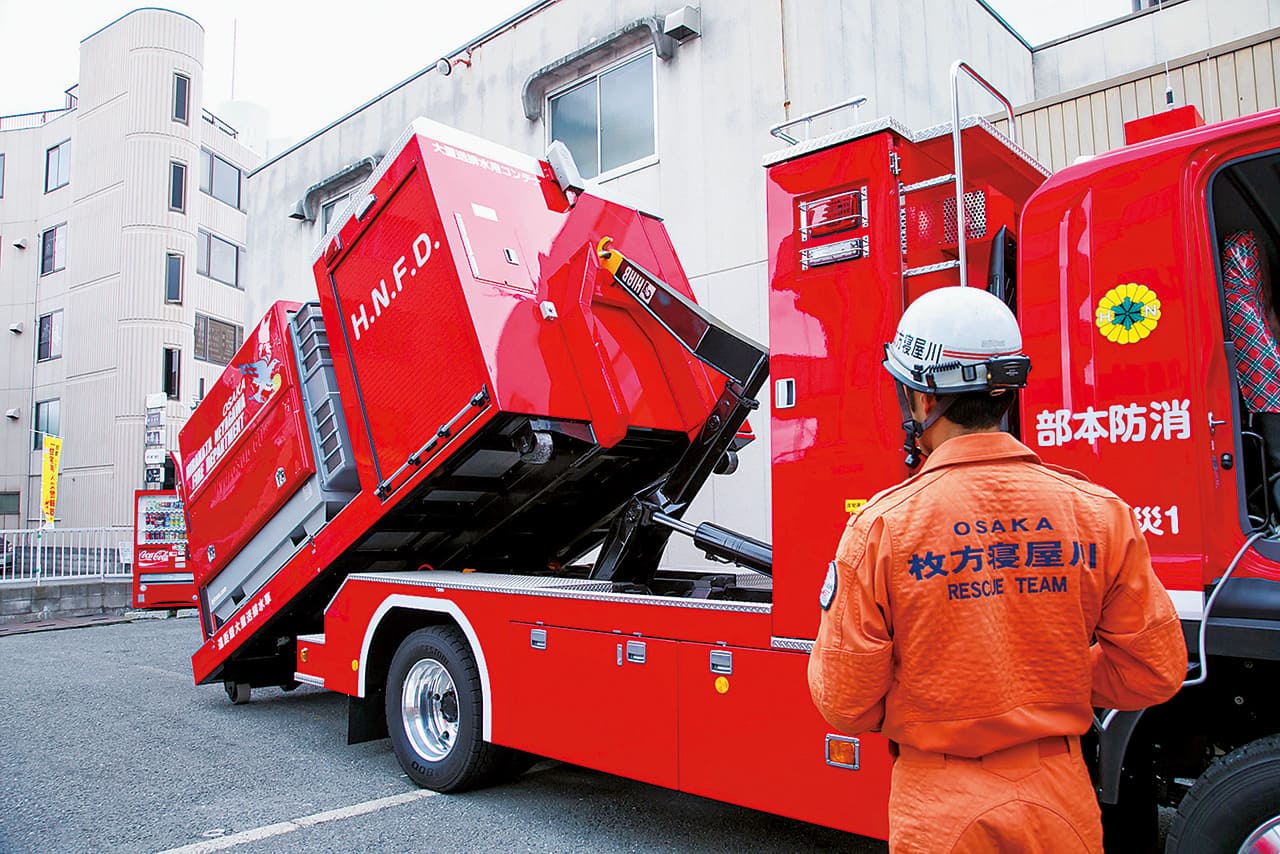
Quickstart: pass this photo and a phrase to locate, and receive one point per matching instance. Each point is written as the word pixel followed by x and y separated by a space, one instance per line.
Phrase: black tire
pixel 237 692
pixel 1237 796
pixel 439 739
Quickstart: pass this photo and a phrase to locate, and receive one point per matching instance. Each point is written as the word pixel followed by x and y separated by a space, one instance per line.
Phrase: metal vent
pixel 975 216
pixel 330 439
pixel 313 343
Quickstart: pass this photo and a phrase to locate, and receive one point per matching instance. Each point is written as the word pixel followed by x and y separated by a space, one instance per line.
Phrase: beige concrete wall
pixel 119 230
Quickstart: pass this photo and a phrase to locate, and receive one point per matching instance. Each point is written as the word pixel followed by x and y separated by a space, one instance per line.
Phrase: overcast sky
pixel 309 63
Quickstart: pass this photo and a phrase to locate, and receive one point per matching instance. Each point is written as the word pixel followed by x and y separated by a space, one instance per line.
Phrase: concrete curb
pixel 25 601
pixel 53 624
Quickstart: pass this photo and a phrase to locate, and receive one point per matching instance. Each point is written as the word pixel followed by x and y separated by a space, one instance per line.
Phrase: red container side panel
pixel 413 351
pixel 246 449
pixel 857 231
pixel 836 444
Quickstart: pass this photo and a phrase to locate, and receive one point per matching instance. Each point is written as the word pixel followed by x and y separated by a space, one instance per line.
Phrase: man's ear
pixel 921 404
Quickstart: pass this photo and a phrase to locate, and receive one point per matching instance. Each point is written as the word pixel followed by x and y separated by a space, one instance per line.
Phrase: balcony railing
pixel 218 123
pixel 20 121
pixel 38 555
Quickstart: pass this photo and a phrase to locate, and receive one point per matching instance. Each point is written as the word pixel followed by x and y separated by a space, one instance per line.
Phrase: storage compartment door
pixel 750 735
pixel 602 700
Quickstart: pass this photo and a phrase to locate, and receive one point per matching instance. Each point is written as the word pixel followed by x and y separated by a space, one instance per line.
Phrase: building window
pixel 49 338
pixel 48 416
pixel 173 278
pixel 607 120
pixel 219 178
pixel 9 505
pixel 53 249
pixel 216 340
pixel 172 373
pixel 57 166
pixel 1 174
pixel 329 208
pixel 181 97
pixel 177 187
pixel 218 259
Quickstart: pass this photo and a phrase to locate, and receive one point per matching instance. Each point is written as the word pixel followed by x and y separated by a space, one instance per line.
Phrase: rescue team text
pixel 995 586
pixel 1008 553
pixel 381 296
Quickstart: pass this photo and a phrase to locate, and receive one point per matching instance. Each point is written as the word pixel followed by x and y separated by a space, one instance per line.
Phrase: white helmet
pixel 957 339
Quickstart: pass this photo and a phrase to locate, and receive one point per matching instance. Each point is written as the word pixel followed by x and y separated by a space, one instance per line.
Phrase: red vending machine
pixel 161 578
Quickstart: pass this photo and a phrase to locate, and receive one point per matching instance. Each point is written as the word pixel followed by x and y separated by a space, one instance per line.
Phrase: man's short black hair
pixel 978 410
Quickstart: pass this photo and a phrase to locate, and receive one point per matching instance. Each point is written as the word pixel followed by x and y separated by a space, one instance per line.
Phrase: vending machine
pixel 161 578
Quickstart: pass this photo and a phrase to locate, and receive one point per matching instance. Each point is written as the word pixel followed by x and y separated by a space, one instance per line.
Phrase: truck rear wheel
pixel 1234 806
pixel 435 710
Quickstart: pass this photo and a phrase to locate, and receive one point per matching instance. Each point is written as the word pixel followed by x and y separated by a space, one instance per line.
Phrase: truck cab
pixel 1129 264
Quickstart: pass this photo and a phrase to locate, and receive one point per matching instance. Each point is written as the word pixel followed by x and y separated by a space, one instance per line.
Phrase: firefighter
pixel 977 612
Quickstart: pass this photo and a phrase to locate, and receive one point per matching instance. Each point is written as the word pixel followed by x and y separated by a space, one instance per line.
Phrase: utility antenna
pixel 233 59
pixel 1168 85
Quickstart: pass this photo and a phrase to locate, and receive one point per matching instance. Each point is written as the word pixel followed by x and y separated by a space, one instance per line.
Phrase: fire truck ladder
pixel 639 533
pixel 956 177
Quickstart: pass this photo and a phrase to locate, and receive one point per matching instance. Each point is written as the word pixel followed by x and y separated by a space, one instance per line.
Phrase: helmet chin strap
pixel 913 429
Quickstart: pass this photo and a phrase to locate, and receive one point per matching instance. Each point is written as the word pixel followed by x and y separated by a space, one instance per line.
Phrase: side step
pixel 311 660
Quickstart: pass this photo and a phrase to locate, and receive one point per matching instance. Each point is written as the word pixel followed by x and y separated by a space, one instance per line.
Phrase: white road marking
pixel 283 827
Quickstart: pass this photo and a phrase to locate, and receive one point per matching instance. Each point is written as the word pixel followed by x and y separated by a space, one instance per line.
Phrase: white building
pixel 679 122
pixel 122 265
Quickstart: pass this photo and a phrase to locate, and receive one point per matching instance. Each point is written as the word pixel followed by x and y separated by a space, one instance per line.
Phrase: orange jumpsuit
pixel 981 609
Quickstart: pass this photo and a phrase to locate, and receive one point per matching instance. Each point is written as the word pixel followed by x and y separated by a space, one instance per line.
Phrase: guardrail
pixel 21 121
pixel 40 554
pixel 219 123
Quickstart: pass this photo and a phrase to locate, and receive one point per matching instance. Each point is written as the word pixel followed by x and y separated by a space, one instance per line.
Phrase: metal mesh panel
pixel 975 213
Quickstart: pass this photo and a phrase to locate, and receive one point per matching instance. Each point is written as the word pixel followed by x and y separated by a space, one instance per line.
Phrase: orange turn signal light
pixel 842 752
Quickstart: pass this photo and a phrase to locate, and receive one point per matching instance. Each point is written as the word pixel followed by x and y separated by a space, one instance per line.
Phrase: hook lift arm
pixel 639 533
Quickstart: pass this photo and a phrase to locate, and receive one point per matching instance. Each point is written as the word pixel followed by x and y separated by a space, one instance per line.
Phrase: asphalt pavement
pixel 106 745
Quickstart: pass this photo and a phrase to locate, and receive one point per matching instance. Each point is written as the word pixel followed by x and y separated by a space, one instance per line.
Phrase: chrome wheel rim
pixel 429 709
pixel 1264 840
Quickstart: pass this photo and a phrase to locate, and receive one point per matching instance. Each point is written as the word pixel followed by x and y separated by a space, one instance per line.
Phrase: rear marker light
pixel 842 752
pixel 832 253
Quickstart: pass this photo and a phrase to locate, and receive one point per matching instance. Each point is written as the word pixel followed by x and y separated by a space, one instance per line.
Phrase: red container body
pixel 246 449
pixel 439 291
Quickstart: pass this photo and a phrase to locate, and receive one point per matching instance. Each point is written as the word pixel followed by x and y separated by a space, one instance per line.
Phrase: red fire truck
pixel 445 487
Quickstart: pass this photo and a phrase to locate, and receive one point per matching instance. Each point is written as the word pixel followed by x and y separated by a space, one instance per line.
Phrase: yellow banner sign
pixel 49 476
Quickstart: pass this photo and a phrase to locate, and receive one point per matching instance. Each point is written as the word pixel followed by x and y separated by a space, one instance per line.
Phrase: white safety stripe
pixel 267 831
pixel 1189 603
pixel 440 606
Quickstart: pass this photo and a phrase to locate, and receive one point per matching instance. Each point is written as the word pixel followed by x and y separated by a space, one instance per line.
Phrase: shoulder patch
pixel 828 594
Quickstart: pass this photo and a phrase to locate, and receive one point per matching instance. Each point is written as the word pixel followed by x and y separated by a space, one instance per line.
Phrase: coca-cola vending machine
pixel 161 578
